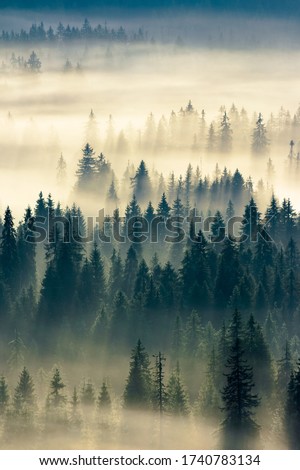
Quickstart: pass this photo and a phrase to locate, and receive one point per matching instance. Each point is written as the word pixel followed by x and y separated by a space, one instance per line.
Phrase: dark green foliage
pixel 104 400
pixel 141 183
pixel 86 169
pixel 56 398
pixel 292 410
pixel 285 368
pixel 258 356
pixel 9 257
pixel 159 393
pixel 177 400
pixel 24 397
pixel 195 274
pixel 137 392
pixel 229 272
pixel 4 396
pixel 239 430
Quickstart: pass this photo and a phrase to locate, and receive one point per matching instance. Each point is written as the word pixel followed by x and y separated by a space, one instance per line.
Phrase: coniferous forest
pixel 149 234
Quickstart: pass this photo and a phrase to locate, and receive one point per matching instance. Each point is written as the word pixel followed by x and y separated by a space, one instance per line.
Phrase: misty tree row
pixel 38 34
pixel 86 289
pixel 97 179
pixel 233 130
pixel 239 377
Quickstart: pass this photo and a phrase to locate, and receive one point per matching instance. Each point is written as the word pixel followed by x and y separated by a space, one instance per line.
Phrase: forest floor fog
pixel 196 96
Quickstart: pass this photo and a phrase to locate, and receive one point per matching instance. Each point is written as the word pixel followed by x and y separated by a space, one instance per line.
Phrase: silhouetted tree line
pixel 232 130
pixel 62 298
pixel 241 377
pixel 37 33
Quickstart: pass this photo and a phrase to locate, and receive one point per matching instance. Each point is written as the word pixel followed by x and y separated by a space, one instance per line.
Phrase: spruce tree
pixel 177 400
pixel 61 172
pixel 104 400
pixel 9 258
pixel 159 394
pixel 225 134
pixel 137 393
pixel 56 397
pixel 260 141
pixel 24 397
pixel 17 348
pixel 292 410
pixel 87 394
pixel 284 371
pixel 4 395
pixel 141 183
pixel 86 169
pixel 239 430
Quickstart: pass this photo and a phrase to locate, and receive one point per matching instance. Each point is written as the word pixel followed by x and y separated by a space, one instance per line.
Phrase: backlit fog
pixel 157 100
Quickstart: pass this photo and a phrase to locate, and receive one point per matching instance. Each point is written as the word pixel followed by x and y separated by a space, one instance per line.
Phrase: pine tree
pixel 9 259
pixel 142 281
pixel 87 394
pixel 225 134
pixel 229 212
pixel 211 138
pixel 112 199
pixel 149 213
pixel 61 170
pixel 163 209
pixel 239 430
pixel 26 251
pixel 40 209
pixel 292 410
pixel 284 371
pixel 192 335
pixel 237 187
pixel 218 228
pixel 86 170
pixel 251 222
pixel 168 289
pixel 130 271
pixel 177 400
pixel 119 321
pixel 91 131
pixel 228 275
pixel 4 395
pixel 259 138
pixel 24 397
pixel 56 399
pixel 159 396
pixel 177 339
pixel 141 183
pixel 195 274
pixel 115 273
pixel 258 357
pixel 98 276
pixel 137 393
pixel 104 400
pixel 33 63
pixel 17 348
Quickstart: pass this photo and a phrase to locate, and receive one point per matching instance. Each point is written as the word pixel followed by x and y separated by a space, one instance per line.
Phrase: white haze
pixel 50 110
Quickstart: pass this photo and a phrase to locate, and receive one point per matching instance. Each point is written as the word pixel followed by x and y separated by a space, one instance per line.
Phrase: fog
pixel 49 111
pixel 121 97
